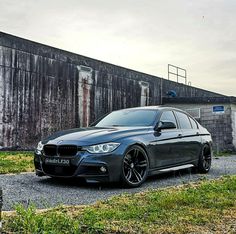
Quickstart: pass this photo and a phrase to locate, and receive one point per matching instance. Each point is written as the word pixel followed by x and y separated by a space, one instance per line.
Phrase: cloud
pixel 143 35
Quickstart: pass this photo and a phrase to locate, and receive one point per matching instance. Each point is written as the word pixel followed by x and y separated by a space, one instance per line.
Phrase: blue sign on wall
pixel 218 109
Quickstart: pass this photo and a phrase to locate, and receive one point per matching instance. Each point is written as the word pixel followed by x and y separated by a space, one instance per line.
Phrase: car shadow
pixel 82 184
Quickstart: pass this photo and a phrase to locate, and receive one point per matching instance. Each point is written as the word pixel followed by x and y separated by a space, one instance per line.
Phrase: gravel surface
pixel 46 192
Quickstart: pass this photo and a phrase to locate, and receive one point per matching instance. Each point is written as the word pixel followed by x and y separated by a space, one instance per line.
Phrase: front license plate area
pixel 57 161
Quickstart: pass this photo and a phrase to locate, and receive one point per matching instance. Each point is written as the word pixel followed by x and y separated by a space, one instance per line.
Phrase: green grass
pixel 16 162
pixel 223 154
pixel 208 206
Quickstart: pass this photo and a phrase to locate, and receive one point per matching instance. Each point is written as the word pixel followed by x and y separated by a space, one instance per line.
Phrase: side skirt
pixel 170 169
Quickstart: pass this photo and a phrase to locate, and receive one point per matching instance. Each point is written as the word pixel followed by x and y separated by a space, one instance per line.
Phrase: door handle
pixel 179 135
pixel 197 133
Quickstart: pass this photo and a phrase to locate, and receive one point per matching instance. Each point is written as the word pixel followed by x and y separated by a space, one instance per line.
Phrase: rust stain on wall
pixel 85 87
pixel 85 104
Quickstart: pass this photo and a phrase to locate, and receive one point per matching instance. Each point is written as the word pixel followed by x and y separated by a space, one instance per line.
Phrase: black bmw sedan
pixel 127 146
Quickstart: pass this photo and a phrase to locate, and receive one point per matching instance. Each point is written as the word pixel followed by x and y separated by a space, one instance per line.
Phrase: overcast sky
pixel 143 35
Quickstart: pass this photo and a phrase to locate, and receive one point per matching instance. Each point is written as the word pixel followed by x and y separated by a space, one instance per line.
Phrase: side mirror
pixel 165 125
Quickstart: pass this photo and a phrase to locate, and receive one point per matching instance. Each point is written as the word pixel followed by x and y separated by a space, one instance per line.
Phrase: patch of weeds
pixel 16 162
pixel 222 154
pixel 27 220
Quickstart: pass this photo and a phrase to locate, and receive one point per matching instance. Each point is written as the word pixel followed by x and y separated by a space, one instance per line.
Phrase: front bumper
pixel 83 165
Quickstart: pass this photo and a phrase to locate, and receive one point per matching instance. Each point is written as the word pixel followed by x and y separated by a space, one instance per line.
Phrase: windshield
pixel 128 118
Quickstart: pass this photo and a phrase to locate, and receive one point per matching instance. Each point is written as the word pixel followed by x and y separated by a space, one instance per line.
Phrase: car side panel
pixel 191 145
pixel 164 149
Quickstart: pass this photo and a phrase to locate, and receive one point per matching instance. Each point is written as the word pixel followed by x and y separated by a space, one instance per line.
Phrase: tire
pixel 135 165
pixel 205 158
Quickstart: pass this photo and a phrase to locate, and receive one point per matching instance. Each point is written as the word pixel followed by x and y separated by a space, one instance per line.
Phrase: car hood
pixel 93 135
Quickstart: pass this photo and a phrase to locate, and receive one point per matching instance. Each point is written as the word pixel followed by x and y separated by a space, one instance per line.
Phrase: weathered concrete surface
pixel 44 89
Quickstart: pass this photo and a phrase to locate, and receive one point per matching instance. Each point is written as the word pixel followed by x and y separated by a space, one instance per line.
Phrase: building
pixel 217 114
pixel 45 89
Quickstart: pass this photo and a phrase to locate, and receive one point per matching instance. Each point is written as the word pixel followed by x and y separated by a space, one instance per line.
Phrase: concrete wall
pixel 233 118
pixel 44 89
pixel 220 125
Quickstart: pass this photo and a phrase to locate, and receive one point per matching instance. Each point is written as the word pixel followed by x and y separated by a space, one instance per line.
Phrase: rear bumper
pixel 93 168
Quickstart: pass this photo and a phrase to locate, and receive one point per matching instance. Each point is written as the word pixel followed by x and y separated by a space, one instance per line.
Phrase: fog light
pixel 103 169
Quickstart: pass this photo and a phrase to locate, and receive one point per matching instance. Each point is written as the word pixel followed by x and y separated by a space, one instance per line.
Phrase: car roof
pixel 156 108
pixel 152 108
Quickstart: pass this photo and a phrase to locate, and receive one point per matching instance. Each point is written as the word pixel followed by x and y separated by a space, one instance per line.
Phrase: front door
pixel 166 145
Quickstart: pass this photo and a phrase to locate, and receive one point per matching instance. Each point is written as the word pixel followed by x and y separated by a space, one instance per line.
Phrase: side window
pixel 168 116
pixel 183 120
pixel 193 123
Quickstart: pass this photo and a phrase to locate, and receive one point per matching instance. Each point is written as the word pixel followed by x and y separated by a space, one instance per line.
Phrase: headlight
pixel 39 147
pixel 102 148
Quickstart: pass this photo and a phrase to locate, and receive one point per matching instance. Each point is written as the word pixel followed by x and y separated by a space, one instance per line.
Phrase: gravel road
pixel 46 192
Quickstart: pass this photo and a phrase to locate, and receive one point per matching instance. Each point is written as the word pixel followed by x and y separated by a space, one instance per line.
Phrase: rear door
pixel 190 140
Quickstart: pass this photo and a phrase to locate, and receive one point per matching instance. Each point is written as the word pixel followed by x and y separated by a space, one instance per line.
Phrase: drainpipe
pixel 161 90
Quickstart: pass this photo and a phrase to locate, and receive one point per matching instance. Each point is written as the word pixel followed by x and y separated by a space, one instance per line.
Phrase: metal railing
pixel 178 72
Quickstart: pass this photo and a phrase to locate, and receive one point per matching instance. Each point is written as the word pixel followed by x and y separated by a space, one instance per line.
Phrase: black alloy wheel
pixel 204 163
pixel 135 166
